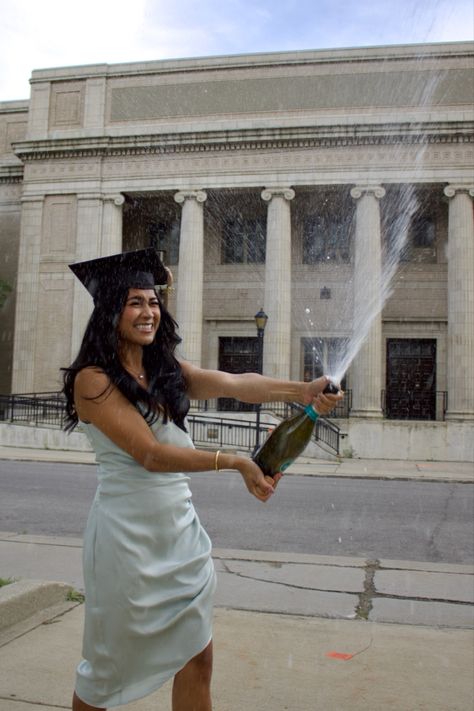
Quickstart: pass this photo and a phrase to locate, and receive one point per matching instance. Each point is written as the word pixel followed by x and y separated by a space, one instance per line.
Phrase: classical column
pixel 460 355
pixel 111 241
pixel 189 293
pixel 366 372
pixel 88 246
pixel 277 300
pixel 27 295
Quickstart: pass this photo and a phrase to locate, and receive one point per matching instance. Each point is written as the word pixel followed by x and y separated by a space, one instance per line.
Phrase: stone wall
pixel 413 441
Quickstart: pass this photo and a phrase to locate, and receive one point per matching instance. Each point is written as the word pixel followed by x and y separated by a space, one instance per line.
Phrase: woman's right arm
pixel 101 403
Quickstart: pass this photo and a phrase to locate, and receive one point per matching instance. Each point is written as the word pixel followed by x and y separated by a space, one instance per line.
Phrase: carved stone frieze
pixel 60 169
pixel 10 193
pixel 305 162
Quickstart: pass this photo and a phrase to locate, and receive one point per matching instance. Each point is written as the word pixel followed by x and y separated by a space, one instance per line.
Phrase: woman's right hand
pixel 260 486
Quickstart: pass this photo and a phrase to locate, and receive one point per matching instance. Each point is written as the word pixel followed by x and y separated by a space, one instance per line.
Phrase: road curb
pixel 23 599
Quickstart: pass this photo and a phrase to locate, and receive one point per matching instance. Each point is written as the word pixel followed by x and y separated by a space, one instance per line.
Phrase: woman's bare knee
pixel 200 666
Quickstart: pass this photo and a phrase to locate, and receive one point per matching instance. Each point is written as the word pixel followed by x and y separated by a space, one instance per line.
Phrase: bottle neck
pixel 311 412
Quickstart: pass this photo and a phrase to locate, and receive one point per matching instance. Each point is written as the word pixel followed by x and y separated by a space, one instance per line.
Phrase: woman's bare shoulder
pixel 91 382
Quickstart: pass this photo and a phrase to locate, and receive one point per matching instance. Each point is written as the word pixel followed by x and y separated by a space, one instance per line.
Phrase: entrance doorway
pixel 411 379
pixel 237 355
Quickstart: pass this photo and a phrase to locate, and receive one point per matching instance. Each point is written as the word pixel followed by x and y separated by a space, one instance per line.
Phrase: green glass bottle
pixel 288 440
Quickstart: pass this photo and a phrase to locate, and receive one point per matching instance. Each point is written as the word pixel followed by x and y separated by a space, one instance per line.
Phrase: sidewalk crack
pixel 293 586
pixel 365 598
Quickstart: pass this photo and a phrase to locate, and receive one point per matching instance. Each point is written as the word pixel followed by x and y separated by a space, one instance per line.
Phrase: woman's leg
pixel 79 705
pixel 192 685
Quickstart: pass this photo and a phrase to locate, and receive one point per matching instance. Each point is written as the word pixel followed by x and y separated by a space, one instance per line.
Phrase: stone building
pixel 286 181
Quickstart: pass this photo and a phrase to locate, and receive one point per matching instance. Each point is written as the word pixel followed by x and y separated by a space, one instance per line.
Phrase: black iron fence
pixel 33 408
pixel 47 409
pixel 242 434
pixel 281 409
pixel 414 405
pixel 220 431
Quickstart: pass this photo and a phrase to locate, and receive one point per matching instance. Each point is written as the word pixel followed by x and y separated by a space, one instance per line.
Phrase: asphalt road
pixel 401 520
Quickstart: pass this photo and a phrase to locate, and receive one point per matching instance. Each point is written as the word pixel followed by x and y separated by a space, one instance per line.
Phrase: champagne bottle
pixel 288 439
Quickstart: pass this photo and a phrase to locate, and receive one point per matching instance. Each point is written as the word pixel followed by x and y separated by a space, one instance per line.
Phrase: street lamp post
pixel 260 321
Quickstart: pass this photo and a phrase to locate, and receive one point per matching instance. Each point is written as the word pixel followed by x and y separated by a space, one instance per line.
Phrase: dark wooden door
pixel 411 379
pixel 237 355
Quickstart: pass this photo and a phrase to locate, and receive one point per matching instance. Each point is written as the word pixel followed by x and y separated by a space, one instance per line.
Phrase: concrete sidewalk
pixel 408 592
pixel 270 662
pixel 384 469
pixel 292 632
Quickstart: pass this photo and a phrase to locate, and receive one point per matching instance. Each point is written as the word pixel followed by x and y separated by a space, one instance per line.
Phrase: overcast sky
pixel 39 34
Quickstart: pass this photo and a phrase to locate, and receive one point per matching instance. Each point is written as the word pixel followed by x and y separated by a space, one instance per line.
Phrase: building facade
pixel 332 188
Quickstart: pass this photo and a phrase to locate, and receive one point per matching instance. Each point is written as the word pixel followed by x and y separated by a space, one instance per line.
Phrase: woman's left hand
pixel 258 484
pixel 273 480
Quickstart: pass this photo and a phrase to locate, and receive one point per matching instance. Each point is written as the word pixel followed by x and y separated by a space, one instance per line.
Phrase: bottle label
pixel 311 412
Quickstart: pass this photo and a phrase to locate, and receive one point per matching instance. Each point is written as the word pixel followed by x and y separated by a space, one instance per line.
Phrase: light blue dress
pixel 148 573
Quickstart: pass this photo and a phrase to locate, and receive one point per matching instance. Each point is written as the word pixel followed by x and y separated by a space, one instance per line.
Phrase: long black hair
pixel 166 393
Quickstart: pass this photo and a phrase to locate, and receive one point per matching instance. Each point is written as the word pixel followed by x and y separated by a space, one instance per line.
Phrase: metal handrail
pixel 325 432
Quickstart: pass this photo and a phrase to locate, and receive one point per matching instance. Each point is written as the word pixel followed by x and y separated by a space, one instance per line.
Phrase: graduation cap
pixel 140 269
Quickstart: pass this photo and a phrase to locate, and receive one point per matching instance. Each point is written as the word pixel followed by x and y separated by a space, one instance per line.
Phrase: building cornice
pixel 11 174
pixel 247 140
pixel 360 55
pixel 14 107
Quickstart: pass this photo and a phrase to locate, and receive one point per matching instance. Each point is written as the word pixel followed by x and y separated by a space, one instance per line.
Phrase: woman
pixel 148 572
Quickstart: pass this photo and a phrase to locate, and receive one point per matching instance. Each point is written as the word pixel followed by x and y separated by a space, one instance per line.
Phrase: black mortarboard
pixel 142 269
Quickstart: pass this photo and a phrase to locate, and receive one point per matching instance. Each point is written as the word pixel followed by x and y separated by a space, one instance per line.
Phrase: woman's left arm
pixel 252 388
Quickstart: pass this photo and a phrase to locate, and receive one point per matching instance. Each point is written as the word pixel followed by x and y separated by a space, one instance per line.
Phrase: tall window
pixel 327 234
pixel 423 232
pixel 243 241
pixel 152 221
pixel 421 240
pixel 321 357
pixel 420 209
pixel 165 236
pixel 237 355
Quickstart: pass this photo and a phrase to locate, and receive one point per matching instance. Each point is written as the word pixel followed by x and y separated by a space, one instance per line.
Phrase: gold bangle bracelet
pixel 216 460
